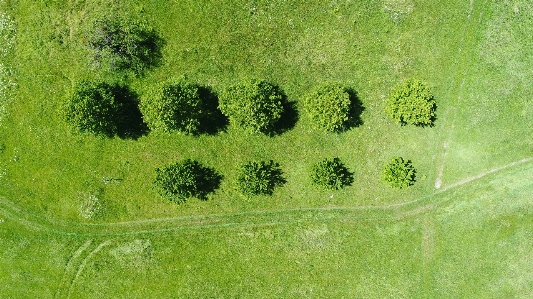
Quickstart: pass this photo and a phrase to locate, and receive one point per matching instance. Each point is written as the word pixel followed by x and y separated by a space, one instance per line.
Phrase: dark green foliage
pixel 174 105
pixel 185 179
pixel 104 109
pixel 411 102
pixel 399 173
pixel 124 44
pixel 328 107
pixel 255 178
pixel 92 108
pixel 331 174
pixel 254 105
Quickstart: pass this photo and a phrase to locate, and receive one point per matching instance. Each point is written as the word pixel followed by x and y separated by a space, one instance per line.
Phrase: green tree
pixel 399 173
pixel 411 102
pixel 328 106
pixel 93 109
pixel 253 105
pixel 259 177
pixel 174 105
pixel 185 179
pixel 331 174
pixel 120 43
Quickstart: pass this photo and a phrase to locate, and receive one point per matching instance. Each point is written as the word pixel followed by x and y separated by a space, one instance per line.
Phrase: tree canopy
pixel 411 102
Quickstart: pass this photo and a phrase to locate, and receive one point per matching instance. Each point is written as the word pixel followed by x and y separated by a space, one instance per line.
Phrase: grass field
pixel 70 232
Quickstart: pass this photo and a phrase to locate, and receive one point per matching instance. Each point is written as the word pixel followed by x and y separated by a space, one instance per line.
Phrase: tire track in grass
pixel 70 267
pixel 337 213
pixel 82 265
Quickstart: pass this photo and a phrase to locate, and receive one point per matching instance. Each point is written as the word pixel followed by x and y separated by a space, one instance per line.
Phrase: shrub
pixel 173 106
pixel 411 102
pixel 328 107
pixel 399 173
pixel 185 179
pixel 253 105
pixel 331 174
pixel 255 178
pixel 123 44
pixel 92 108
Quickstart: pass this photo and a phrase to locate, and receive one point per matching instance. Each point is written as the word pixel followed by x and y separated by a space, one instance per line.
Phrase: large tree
pixel 331 174
pixel 120 43
pixel 188 178
pixel 174 105
pixel 93 108
pixel 259 177
pixel 411 102
pixel 328 106
pixel 253 105
pixel 399 173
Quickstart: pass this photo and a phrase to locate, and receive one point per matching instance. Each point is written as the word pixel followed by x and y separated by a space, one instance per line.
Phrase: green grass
pixel 302 242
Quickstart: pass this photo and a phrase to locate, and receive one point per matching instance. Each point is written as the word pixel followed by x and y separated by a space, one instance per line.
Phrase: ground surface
pixel 462 231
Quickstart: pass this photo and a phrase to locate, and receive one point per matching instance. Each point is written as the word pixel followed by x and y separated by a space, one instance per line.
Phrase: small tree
pixel 411 102
pixel 254 105
pixel 92 108
pixel 399 173
pixel 328 107
pixel 123 44
pixel 331 174
pixel 185 179
pixel 255 178
pixel 173 106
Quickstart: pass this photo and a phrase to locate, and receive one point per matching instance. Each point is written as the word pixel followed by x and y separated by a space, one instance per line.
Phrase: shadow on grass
pixel 209 183
pixel 288 118
pixel 214 121
pixel 356 109
pixel 130 124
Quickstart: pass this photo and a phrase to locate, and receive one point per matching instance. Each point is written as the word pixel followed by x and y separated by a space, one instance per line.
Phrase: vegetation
pixel 259 178
pixel 81 208
pixel 254 105
pixel 399 173
pixel 411 102
pixel 122 44
pixel 185 179
pixel 328 107
pixel 92 108
pixel 331 174
pixel 174 105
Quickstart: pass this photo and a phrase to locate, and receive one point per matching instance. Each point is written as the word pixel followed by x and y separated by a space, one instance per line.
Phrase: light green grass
pixel 466 242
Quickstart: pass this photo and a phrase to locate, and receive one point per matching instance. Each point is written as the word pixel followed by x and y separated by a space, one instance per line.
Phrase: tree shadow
pixel 209 182
pixel 130 123
pixel 288 118
pixel 213 121
pixel 356 109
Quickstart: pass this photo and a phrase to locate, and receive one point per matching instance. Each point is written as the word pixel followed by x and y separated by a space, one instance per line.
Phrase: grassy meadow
pixel 80 218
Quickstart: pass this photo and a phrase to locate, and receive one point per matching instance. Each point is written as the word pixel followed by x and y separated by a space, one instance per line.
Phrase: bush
pixel 328 107
pixel 124 44
pixel 411 102
pixel 173 106
pixel 331 174
pixel 92 108
pixel 253 105
pixel 185 179
pixel 255 178
pixel 399 173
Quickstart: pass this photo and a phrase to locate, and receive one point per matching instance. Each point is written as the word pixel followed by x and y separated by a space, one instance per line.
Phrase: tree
pixel 185 179
pixel 411 102
pixel 174 105
pixel 259 177
pixel 93 109
pixel 399 173
pixel 331 174
pixel 328 106
pixel 253 105
pixel 120 44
